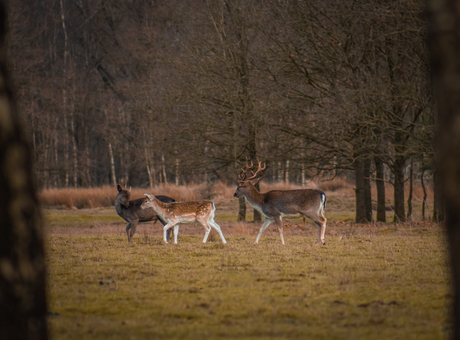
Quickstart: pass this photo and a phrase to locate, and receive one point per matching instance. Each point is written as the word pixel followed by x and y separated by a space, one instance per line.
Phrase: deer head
pixel 123 196
pixel 248 178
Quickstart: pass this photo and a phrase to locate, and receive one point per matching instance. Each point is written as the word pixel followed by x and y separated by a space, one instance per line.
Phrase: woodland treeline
pixel 146 92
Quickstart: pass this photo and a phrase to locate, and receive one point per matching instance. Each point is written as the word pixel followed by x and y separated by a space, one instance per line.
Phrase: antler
pixel 249 165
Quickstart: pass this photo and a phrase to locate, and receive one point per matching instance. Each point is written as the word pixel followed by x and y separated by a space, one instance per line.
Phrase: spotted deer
pixel 184 212
pixel 131 212
pixel 276 204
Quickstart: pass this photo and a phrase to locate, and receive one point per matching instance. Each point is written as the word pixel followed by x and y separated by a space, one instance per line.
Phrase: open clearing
pixel 379 281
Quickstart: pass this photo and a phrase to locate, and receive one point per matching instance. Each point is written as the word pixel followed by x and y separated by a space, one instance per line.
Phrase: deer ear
pixel 149 197
pixel 254 181
pixel 119 188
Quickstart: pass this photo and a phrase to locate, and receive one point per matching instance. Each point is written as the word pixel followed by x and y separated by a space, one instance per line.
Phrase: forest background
pixel 147 92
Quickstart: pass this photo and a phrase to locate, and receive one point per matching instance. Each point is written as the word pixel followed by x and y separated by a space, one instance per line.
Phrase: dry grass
pixel 381 281
pixel 388 286
pixel 83 198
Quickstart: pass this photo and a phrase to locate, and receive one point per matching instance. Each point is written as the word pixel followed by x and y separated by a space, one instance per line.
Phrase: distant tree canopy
pixel 183 91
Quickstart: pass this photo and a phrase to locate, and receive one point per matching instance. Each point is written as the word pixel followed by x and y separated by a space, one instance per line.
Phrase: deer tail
pixel 322 205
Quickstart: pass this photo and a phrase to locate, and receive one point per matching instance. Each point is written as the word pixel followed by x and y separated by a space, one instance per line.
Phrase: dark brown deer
pixel 132 212
pixel 276 204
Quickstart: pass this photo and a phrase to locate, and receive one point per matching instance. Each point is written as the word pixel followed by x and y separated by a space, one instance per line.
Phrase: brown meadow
pixel 385 281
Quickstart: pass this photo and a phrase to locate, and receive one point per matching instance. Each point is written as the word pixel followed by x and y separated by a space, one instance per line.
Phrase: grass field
pixel 379 281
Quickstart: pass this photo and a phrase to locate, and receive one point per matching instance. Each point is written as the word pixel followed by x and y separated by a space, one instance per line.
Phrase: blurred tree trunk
pixel 444 21
pixel 22 263
pixel 380 184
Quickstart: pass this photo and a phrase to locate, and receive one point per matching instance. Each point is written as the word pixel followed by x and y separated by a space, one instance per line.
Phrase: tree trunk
pixel 438 208
pixel 74 138
pixel 163 166
pixel 257 214
pixel 303 174
pixel 23 305
pixel 286 175
pixel 87 161
pixel 177 172
pixel 360 192
pixel 411 187
pixel 112 165
pixel 280 172
pixel 241 209
pixel 445 66
pixel 367 189
pixel 380 185
pixel 400 215
pixel 148 167
pixel 422 182
pixel 64 102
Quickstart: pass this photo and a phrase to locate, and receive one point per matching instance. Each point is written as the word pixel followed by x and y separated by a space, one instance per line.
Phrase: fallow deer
pixel 184 212
pixel 276 204
pixel 132 213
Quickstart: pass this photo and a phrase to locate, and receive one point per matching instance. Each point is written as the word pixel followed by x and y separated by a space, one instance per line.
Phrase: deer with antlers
pixel 184 212
pixel 276 204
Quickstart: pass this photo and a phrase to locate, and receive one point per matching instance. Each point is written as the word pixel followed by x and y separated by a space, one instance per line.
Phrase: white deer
pixel 276 204
pixel 184 212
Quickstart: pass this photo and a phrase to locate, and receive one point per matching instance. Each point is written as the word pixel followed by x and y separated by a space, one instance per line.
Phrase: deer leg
pixel 131 229
pixel 176 232
pixel 279 223
pixel 217 228
pixel 166 229
pixel 207 228
pixel 267 222
pixel 169 233
pixel 128 227
pixel 321 223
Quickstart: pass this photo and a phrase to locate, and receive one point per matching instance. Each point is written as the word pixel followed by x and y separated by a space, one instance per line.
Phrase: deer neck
pixel 119 208
pixel 160 207
pixel 254 197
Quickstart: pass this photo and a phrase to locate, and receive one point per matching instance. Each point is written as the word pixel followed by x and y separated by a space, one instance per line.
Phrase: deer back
pixel 193 210
pixel 291 202
pixel 132 210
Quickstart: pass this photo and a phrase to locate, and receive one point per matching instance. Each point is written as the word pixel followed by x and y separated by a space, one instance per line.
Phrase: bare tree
pixel 354 84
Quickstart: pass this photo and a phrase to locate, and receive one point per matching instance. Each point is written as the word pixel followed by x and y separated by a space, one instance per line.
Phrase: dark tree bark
pixel 398 166
pixel 22 264
pixel 424 194
pixel 241 209
pixel 380 184
pixel 444 23
pixel 438 208
pixel 411 188
pixel 360 192
pixel 257 215
pixel 367 189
